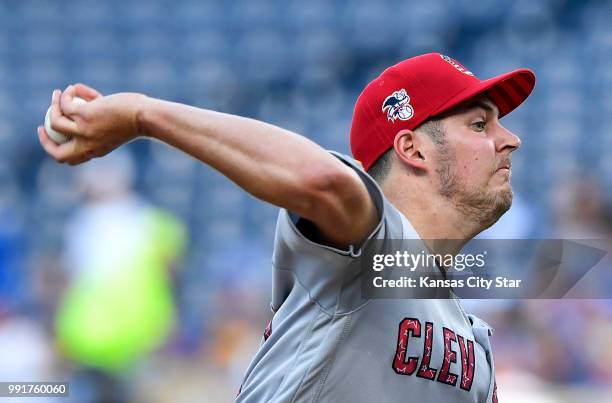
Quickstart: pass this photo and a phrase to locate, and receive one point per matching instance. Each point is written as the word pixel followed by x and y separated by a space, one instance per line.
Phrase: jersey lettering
pixel 450 355
pixel 403 365
pixel 425 371
pixel 400 364
pixel 467 364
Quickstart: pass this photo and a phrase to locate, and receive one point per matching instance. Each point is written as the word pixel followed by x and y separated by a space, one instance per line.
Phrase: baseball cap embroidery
pixel 397 106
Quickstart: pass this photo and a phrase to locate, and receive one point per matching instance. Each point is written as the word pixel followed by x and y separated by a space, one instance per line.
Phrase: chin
pixel 485 208
pixel 503 201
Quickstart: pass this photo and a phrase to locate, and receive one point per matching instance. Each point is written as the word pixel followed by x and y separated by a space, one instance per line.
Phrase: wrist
pixel 143 115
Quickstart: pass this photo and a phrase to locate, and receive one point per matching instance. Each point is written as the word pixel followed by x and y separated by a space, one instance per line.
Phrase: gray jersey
pixel 327 343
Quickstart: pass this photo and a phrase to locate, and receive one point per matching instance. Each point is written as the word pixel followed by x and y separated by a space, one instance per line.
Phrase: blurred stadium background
pixel 298 64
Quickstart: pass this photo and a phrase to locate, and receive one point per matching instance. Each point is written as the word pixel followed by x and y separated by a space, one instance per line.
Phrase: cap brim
pixel 506 91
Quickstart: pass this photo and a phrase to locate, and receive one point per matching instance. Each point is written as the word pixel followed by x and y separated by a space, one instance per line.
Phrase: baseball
pixel 54 135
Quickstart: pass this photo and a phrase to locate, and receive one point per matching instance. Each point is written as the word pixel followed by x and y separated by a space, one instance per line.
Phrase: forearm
pixel 271 163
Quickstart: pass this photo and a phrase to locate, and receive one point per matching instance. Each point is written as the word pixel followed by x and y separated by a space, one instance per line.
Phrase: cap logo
pixel 396 106
pixel 456 65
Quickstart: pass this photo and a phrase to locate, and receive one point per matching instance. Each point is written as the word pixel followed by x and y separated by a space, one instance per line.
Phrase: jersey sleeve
pixel 322 271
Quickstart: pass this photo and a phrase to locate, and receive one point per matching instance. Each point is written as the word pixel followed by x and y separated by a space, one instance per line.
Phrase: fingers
pixel 64 115
pixel 59 122
pixel 66 152
pixel 74 152
pixel 87 93
pixel 67 104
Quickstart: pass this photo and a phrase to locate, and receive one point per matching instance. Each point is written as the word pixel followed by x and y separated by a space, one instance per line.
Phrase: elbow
pixel 327 189
pixel 338 203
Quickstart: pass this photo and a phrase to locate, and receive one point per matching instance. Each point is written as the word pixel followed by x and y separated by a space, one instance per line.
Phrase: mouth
pixel 504 171
pixel 504 167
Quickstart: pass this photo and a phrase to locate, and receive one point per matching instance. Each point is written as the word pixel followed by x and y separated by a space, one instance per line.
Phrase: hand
pixel 96 128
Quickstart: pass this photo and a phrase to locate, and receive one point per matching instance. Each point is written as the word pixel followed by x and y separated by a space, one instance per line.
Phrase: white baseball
pixel 56 136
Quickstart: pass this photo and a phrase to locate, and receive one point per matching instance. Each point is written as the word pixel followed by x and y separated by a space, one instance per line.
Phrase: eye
pixel 479 126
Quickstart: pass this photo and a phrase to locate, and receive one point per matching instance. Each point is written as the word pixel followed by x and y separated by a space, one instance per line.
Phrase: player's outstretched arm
pixel 273 164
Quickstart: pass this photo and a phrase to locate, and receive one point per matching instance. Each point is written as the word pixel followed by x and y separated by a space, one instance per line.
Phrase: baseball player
pixel 434 164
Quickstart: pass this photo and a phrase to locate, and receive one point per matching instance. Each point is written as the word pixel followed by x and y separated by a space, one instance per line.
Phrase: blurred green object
pixel 107 321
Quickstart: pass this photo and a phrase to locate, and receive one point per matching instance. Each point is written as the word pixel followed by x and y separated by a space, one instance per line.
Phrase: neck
pixel 437 220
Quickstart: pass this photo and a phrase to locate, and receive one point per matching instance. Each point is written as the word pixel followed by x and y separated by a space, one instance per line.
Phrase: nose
pixel 507 140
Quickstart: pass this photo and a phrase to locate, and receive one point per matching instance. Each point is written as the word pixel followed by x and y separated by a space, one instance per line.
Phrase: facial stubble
pixel 483 207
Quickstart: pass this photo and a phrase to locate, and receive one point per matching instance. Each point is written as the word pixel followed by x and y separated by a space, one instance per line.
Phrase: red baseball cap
pixel 410 92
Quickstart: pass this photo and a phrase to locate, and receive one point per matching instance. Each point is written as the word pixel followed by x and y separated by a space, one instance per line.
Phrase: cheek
pixel 475 162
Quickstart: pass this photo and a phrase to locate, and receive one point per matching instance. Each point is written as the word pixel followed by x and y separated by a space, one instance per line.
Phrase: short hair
pixel 381 168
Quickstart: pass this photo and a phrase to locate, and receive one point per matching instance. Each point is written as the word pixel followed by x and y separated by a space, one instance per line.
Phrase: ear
pixel 408 147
